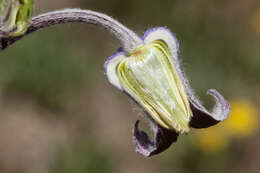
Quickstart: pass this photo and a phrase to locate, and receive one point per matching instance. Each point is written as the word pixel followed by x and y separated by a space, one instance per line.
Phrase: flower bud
pixel 15 16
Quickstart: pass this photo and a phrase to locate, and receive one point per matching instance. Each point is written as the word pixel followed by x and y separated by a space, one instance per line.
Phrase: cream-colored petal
pixel 149 75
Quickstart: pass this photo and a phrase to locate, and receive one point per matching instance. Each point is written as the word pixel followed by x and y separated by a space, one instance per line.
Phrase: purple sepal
pixel 163 138
pixel 202 118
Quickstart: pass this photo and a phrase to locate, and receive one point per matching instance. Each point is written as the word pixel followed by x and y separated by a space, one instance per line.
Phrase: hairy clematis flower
pixel 146 69
pixel 15 16
pixel 152 75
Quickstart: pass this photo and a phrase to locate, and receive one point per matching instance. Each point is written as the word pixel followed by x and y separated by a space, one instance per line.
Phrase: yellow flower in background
pixel 255 22
pixel 212 139
pixel 242 122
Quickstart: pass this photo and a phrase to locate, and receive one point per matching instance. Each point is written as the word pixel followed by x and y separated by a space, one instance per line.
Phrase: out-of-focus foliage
pixel 82 157
pixel 48 74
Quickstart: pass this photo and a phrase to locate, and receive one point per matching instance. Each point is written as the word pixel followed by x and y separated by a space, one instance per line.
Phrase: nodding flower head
pixel 15 16
pixel 153 76
pixel 147 69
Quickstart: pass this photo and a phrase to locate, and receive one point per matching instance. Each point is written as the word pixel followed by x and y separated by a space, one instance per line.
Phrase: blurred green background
pixel 59 114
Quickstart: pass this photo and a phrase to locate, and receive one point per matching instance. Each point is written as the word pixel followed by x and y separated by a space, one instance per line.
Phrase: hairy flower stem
pixel 128 39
